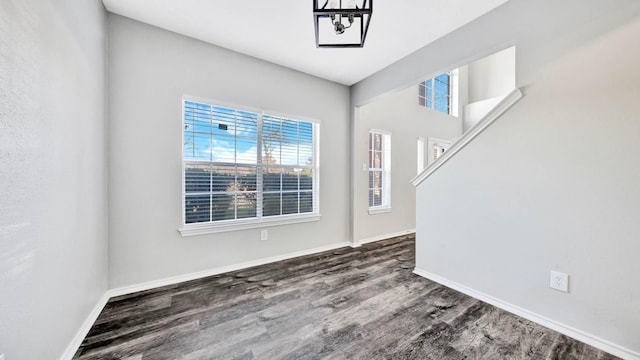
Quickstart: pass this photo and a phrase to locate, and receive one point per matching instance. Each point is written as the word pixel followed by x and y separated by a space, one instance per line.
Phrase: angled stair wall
pixel 551 185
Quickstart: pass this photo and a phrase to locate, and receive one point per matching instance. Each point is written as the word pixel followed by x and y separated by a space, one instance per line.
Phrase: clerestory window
pixel 440 93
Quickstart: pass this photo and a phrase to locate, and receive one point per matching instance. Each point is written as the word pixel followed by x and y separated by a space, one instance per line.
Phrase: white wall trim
pixel 379 210
pixel 385 236
pixel 74 345
pixel 215 271
pixel 246 224
pixel 488 119
pixel 577 334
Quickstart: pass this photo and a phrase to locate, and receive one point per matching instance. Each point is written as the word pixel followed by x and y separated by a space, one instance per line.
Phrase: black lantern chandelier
pixel 341 23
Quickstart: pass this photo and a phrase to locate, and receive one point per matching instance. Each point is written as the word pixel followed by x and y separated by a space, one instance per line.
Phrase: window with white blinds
pixel 244 167
pixel 379 170
pixel 287 166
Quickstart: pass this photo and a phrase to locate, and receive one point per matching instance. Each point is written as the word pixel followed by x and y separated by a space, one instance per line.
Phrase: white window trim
pixel 431 143
pixel 379 210
pixel 420 154
pixel 193 229
pixel 386 161
pixel 245 224
pixel 454 92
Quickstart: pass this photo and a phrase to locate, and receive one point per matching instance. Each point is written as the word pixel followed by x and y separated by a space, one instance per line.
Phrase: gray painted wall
pixel 53 228
pixel 400 115
pixel 552 185
pixel 149 71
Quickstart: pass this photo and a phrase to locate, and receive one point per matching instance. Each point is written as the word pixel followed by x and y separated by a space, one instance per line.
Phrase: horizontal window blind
pixel 246 165
pixel 379 169
pixel 288 165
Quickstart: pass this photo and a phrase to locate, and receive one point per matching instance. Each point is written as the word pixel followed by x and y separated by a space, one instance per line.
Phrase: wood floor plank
pixel 362 303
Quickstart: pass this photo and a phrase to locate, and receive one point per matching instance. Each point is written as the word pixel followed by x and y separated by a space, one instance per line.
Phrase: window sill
pixel 379 210
pixel 208 228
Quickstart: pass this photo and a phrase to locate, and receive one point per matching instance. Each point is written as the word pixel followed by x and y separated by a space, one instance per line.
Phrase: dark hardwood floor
pixel 362 303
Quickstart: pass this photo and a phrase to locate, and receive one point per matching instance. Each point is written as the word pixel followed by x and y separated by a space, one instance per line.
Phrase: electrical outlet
pixel 559 281
pixel 264 235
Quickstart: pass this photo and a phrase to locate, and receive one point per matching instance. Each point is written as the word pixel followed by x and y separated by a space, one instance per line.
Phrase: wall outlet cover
pixel 559 281
pixel 264 235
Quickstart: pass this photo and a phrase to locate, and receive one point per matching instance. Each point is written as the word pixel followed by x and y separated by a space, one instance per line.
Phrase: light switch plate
pixel 559 281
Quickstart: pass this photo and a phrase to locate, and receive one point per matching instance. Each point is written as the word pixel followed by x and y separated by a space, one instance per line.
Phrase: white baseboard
pixel 384 237
pixel 84 329
pixel 215 271
pixel 579 335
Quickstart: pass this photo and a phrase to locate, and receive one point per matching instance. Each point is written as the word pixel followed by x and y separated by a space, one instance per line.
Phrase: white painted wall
pixel 489 79
pixel 492 76
pixel 476 111
pixel 552 185
pixel 149 71
pixel 463 90
pixel 540 30
pixel 53 227
pixel 400 115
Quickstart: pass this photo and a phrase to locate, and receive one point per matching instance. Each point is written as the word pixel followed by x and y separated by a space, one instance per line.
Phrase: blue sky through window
pixel 435 93
pixel 219 134
pixel 441 97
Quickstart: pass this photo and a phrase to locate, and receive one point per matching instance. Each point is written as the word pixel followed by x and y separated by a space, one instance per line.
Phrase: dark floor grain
pixel 362 303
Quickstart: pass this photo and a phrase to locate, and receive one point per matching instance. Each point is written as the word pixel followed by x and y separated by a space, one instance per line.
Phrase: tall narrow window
pixel 243 166
pixel 439 93
pixel 379 170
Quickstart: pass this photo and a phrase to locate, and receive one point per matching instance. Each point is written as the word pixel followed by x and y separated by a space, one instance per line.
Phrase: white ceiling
pixel 282 31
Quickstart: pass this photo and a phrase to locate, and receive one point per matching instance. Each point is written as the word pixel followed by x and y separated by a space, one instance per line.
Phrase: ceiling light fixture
pixel 332 18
